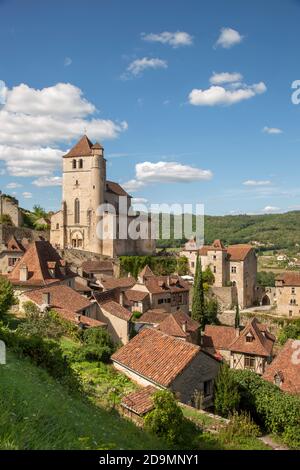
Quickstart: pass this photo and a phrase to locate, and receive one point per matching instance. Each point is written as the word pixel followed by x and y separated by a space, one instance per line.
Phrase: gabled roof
pixel 116 310
pixel 239 252
pixel 121 282
pixel 115 188
pixel 39 258
pixel 155 356
pixel 262 344
pixel 178 324
pixel 218 337
pixel 140 401
pixel 217 246
pixel 81 149
pixel 146 271
pixel 133 295
pixel 287 368
pixel 289 278
pixel 160 284
pixel 91 266
pixel 61 296
pixel 14 245
pixel 154 316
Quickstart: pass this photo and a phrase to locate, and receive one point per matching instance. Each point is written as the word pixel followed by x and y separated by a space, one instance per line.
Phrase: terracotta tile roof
pixel 204 249
pixel 39 258
pixel 84 320
pixel 154 316
pixel 81 149
pixel 112 294
pixel 287 368
pixel 289 278
pixel 97 146
pixel 239 252
pixel 262 345
pixel 146 271
pixel 81 287
pixel 115 188
pixel 133 295
pixel 172 284
pixel 217 246
pixel 14 245
pixel 174 325
pixel 121 282
pixel 218 337
pixel 157 357
pixel 140 402
pixel 97 266
pixel 114 308
pixel 61 296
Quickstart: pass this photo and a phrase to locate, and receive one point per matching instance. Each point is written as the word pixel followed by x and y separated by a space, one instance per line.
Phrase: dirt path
pixel 268 440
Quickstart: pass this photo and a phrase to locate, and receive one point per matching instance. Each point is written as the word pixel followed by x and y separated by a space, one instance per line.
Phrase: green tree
pixel 212 310
pixel 166 419
pixel 289 331
pixel 227 397
pixel 198 305
pixel 39 211
pixel 237 319
pixel 7 298
pixel 182 266
pixel 97 345
pixel 266 279
pixel 5 219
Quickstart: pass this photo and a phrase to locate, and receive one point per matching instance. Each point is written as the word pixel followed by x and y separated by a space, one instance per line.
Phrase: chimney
pixel 184 326
pixel 46 298
pixel 121 298
pixel 237 332
pixel 23 272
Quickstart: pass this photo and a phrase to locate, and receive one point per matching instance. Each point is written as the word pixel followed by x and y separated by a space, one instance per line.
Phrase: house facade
pixel 288 294
pixel 10 255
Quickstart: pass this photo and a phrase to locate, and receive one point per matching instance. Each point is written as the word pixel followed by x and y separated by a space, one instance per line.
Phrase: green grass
pixel 38 413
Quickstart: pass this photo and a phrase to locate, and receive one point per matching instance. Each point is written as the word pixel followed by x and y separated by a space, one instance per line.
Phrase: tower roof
pixel 83 148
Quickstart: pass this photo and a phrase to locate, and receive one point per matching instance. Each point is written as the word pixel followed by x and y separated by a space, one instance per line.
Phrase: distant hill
pixel 279 230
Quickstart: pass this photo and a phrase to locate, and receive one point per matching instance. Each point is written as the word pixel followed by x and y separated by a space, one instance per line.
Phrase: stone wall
pixel 11 208
pixel 226 296
pixel 6 233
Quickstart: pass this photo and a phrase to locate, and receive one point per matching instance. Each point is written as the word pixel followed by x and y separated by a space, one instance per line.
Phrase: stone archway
pixel 77 239
pixel 266 300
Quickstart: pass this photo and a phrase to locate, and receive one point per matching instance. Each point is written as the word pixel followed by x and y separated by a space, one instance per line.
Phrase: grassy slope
pixel 38 413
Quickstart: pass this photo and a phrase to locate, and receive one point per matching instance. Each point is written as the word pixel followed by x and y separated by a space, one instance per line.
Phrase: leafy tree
pixel 5 219
pixel 7 298
pixel 289 331
pixel 237 319
pixel 182 266
pixel 39 212
pixel 97 345
pixel 198 305
pixel 212 310
pixel 227 397
pixel 208 278
pixel 266 279
pixel 166 420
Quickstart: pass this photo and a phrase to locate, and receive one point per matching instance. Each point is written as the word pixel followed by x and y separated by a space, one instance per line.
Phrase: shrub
pixel 136 315
pixel 289 331
pixel 227 397
pixel 7 298
pixel 97 346
pixel 166 420
pixel 240 426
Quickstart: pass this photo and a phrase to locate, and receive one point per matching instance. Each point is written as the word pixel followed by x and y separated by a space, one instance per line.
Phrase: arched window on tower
pixel 77 211
pixel 74 164
pixel 81 163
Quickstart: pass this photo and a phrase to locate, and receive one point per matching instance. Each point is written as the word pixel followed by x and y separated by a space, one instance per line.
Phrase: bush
pixel 7 298
pixel 5 219
pixel 290 331
pixel 166 420
pixel 136 315
pixel 97 346
pixel 240 426
pixel 227 397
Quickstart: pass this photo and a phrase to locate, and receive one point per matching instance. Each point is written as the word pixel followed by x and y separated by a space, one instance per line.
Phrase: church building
pixel 85 189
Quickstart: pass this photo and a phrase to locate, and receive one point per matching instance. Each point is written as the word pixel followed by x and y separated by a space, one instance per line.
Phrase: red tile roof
pixel 289 278
pixel 140 401
pixel 81 149
pixel 14 245
pixel 39 258
pixel 262 345
pixel 218 337
pixel 133 295
pixel 160 284
pixel 158 357
pixel 91 266
pixel 60 296
pixel 287 365
pixel 154 316
pixel 218 246
pixel 239 252
pixel 146 271
pixel 174 325
pixel 116 309
pixel 115 188
pixel 122 282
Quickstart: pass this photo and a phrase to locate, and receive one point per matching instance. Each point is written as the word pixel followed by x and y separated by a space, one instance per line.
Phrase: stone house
pixel 10 206
pixel 234 267
pixel 181 326
pixel 85 188
pixel 288 294
pixel 156 359
pixel 40 266
pixel 10 255
pixel 66 302
pixel 284 371
pixel 94 269
pixel 248 348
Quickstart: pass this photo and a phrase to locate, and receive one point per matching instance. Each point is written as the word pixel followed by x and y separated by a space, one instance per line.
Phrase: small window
pixel 249 362
pixel 249 339
pixel 57 226
pixel 293 290
pixel 74 164
pixel 160 301
pixel 192 264
pixel 208 388
pixel 81 163
pixel 215 269
pixel 215 257
pixel 233 269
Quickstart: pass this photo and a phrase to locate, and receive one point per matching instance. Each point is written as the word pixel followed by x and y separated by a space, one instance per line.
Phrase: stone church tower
pixel 84 189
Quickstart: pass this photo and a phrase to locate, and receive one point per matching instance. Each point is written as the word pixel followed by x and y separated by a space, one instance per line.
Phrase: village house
pixel 284 371
pixel 85 188
pixel 167 363
pixel 153 317
pixel 137 404
pixel 66 302
pixel 94 269
pixel 234 269
pixel 181 326
pixel 114 314
pixel 288 294
pixel 10 253
pixel 170 293
pixel 248 348
pixel 40 266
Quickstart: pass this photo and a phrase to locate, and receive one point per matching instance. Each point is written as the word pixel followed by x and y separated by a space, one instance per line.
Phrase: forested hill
pixel 279 230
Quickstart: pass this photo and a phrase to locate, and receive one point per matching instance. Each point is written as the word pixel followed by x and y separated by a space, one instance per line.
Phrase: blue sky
pixel 174 129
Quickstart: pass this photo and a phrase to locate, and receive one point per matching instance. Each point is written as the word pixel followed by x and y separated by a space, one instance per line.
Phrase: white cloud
pixel 229 37
pixel 68 61
pixel 139 200
pixel 27 195
pixel 35 123
pixel 44 181
pixel 13 185
pixel 225 77
pixel 177 39
pixel 165 172
pixel 257 183
pixel 3 92
pixel 217 95
pixel 270 209
pixel 138 66
pixel 272 130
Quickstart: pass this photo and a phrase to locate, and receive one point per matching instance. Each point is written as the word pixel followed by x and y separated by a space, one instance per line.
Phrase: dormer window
pixel 249 339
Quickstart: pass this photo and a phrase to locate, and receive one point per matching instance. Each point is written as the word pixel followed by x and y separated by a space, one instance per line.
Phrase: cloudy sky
pixel 191 99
